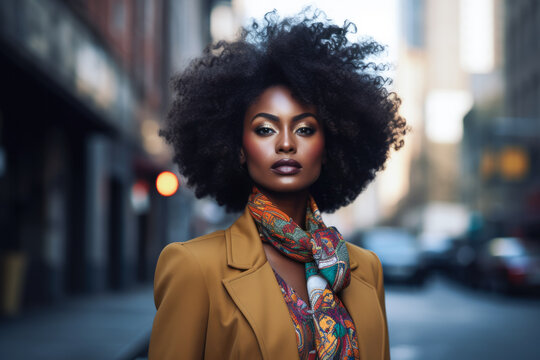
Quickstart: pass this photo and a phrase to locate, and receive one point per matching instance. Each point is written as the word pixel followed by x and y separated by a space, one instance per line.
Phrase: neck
pixel 292 204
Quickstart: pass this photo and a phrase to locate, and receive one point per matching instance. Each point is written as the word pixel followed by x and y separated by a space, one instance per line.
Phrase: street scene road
pixel 91 193
pixel 442 320
pixel 446 321
pixel 105 326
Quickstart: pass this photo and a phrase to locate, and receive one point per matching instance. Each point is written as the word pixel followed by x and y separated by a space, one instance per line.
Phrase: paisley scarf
pixel 326 259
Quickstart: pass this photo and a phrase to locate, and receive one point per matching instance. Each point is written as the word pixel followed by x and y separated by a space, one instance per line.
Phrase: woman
pixel 286 122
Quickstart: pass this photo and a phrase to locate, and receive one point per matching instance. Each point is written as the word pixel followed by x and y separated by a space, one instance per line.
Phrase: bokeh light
pixel 167 183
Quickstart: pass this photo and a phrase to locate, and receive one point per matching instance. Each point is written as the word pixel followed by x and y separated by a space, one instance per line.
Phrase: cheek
pixel 317 150
pixel 255 149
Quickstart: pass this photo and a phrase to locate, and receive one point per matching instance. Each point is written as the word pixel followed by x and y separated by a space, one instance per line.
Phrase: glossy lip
pixel 286 162
pixel 286 167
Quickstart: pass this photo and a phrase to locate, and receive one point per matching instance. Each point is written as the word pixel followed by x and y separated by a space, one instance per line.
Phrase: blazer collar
pixel 256 293
pixel 244 249
pixel 362 303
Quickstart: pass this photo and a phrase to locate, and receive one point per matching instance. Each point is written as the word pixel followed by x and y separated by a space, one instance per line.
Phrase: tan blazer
pixel 217 298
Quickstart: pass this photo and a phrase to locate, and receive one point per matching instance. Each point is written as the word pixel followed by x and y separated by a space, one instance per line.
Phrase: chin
pixel 288 187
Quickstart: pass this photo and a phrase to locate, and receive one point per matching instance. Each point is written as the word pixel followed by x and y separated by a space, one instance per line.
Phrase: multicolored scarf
pixel 326 259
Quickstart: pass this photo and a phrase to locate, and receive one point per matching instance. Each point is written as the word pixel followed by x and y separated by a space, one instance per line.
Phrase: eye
pixel 264 131
pixel 305 130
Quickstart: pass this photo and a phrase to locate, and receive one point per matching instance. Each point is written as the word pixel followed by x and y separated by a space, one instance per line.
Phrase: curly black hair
pixel 316 61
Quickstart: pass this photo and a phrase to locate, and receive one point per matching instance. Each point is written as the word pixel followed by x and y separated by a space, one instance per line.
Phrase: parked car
pixel 463 257
pixel 399 252
pixel 510 264
pixel 436 249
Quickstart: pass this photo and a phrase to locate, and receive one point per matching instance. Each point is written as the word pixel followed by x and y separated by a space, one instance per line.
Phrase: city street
pixel 438 322
pixel 102 326
pixel 122 130
pixel 446 321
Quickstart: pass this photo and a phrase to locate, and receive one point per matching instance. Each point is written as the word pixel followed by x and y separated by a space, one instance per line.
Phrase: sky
pixel 376 19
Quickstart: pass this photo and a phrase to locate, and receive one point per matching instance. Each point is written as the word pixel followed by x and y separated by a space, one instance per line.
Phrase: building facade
pixel 84 91
pixel 502 132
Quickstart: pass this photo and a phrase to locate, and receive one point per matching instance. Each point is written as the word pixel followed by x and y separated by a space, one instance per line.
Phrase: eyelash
pixel 260 132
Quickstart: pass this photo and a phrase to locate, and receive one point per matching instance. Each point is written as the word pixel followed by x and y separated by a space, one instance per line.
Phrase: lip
pixel 286 167
pixel 286 162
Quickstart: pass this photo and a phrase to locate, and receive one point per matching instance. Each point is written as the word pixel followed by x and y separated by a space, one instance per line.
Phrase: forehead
pixel 278 100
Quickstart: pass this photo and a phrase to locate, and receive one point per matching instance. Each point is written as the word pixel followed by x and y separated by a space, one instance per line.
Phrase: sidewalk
pixel 107 326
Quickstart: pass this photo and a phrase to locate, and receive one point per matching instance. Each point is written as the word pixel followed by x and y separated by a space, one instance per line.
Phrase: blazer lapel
pixel 256 292
pixel 362 303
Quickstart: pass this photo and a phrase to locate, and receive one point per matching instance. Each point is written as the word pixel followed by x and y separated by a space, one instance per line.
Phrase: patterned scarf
pixel 326 259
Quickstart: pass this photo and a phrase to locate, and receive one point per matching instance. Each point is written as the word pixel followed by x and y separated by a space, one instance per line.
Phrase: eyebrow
pixel 276 118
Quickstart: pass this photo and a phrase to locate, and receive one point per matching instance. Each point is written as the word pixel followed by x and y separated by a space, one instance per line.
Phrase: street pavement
pixel 444 321
pixel 437 322
pixel 107 326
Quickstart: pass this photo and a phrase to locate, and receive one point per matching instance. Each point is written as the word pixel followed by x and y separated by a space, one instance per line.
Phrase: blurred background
pixel 89 195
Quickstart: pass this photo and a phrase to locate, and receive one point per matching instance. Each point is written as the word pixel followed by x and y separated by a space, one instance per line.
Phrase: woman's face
pixel 283 143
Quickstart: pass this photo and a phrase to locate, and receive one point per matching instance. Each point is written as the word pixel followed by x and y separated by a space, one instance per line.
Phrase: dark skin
pixel 277 126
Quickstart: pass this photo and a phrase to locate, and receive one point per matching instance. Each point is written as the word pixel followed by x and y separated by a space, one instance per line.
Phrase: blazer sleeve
pixel 182 303
pixel 380 293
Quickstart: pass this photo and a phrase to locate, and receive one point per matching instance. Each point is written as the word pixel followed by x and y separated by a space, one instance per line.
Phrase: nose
pixel 285 143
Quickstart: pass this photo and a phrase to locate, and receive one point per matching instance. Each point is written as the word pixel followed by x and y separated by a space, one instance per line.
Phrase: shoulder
pixel 198 254
pixel 209 245
pixel 194 262
pixel 366 264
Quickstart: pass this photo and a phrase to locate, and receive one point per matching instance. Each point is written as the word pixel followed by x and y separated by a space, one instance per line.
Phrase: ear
pixel 242 156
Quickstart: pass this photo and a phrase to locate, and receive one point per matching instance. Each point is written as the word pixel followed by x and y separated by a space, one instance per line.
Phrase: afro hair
pixel 316 61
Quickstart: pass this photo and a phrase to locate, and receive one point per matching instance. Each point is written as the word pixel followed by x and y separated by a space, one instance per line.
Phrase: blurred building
pixel 503 136
pixel 502 140
pixel 411 84
pixel 435 89
pixel 522 48
pixel 84 91
pixel 451 61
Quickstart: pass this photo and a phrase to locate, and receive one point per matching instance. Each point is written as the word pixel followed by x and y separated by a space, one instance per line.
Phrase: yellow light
pixel 167 183
pixel 514 163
